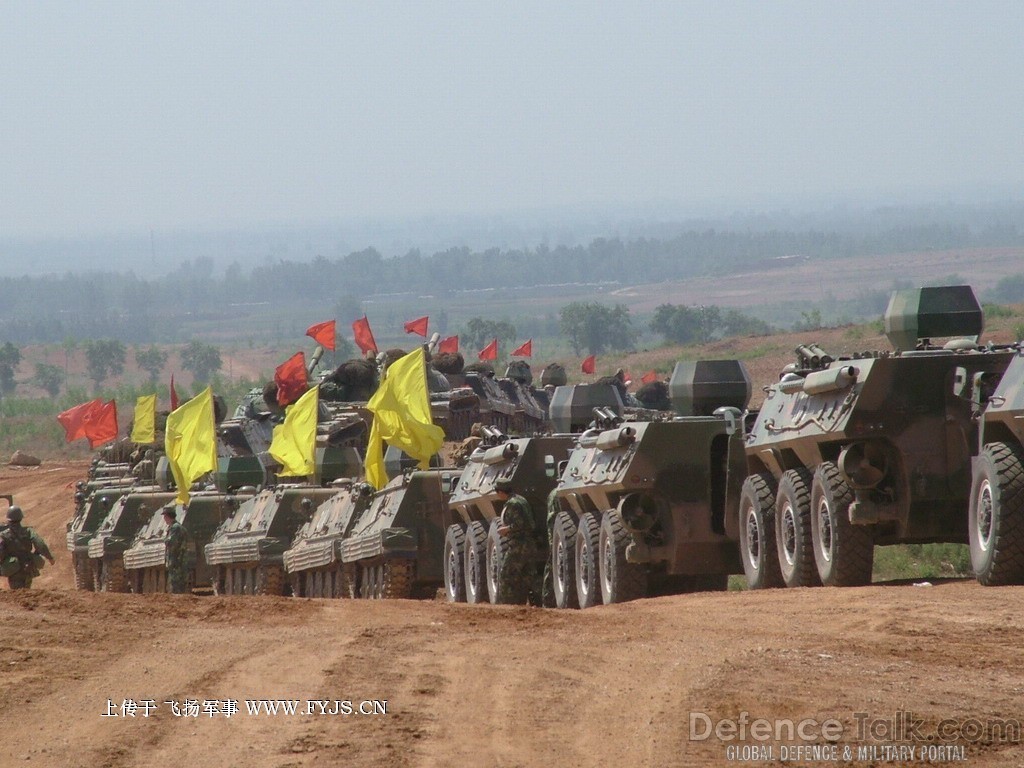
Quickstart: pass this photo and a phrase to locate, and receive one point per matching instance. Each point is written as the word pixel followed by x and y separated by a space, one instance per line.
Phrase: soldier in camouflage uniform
pixel 21 551
pixel 177 544
pixel 519 565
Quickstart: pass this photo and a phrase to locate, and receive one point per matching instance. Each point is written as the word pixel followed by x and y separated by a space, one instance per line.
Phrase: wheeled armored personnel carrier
pixel 127 515
pixel 643 504
pixel 874 449
pixel 473 546
pixel 248 548
pixel 313 563
pixel 996 514
pixel 145 560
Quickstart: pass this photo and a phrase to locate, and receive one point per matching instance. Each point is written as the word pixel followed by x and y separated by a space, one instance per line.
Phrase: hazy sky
pixel 131 115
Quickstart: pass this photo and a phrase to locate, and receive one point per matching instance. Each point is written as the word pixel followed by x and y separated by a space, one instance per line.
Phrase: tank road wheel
pixel 220 581
pixel 83 573
pixel 96 573
pixel 588 582
pixel 793 530
pixel 996 518
pixel 378 581
pixel 563 561
pixel 497 551
pixel 270 580
pixel 621 581
pixel 757 532
pixel 397 583
pixel 454 554
pixel 843 552
pixel 340 582
pixel 352 580
pixel 364 581
pixel 475 570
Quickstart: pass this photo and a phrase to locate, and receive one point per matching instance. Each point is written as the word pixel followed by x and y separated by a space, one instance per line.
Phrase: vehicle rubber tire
pixel 621 581
pixel 563 561
pixel 996 516
pixel 588 580
pixel 220 581
pixel 843 552
pixel 352 583
pixel 296 582
pixel 793 529
pixel 758 552
pixel 497 551
pixel 454 556
pixel 475 563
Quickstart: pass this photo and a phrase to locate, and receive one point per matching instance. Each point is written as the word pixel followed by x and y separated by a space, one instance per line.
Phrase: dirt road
pixel 497 686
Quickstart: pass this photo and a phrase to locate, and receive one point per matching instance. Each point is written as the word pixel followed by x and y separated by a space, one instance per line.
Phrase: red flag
pixel 364 336
pixel 419 325
pixel 174 395
pixel 73 419
pixel 589 364
pixel 490 352
pixel 524 350
pixel 290 377
pixel 449 346
pixel 323 334
pixel 648 377
pixel 101 424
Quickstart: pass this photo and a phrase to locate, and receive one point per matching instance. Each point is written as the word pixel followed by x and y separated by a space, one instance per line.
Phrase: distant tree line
pixel 134 310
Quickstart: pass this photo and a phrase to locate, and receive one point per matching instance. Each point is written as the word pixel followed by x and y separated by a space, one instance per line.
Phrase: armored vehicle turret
pixel 996 514
pixel 395 542
pixel 313 563
pixel 127 516
pixel 473 545
pixel 872 449
pixel 145 560
pixel 642 505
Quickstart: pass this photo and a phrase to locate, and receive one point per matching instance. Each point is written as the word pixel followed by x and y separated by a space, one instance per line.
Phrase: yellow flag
pixel 401 416
pixel 294 443
pixel 144 429
pixel 191 442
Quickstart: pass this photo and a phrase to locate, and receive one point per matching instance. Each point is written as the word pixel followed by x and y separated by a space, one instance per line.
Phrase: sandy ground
pixel 496 686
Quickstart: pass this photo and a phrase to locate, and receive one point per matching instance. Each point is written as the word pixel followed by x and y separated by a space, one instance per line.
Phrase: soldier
pixel 519 563
pixel 21 551
pixel 177 543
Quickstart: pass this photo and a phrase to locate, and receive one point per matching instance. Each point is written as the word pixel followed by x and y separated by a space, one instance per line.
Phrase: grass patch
pixel 922 561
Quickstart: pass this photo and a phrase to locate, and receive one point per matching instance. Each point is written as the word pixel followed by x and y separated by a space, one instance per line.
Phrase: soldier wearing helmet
pixel 21 551
pixel 520 562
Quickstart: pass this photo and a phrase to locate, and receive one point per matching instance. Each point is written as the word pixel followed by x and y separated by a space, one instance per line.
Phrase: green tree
pixel 202 359
pixel 48 378
pixel 596 327
pixel 688 325
pixel 478 333
pixel 152 361
pixel 104 358
pixel 10 356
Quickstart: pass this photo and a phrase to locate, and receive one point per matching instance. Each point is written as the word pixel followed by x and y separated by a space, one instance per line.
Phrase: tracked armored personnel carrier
pixel 127 516
pixel 473 546
pixel 313 563
pixel 874 449
pixel 643 504
pixel 996 515
pixel 248 548
pixel 92 505
pixel 395 542
pixel 145 560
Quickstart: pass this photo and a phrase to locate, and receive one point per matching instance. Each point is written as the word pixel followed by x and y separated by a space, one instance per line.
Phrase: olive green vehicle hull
pixel 145 560
pixel 120 527
pixel 247 550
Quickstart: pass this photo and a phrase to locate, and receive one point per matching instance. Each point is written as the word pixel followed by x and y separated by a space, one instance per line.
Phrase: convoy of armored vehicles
pixel 921 443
